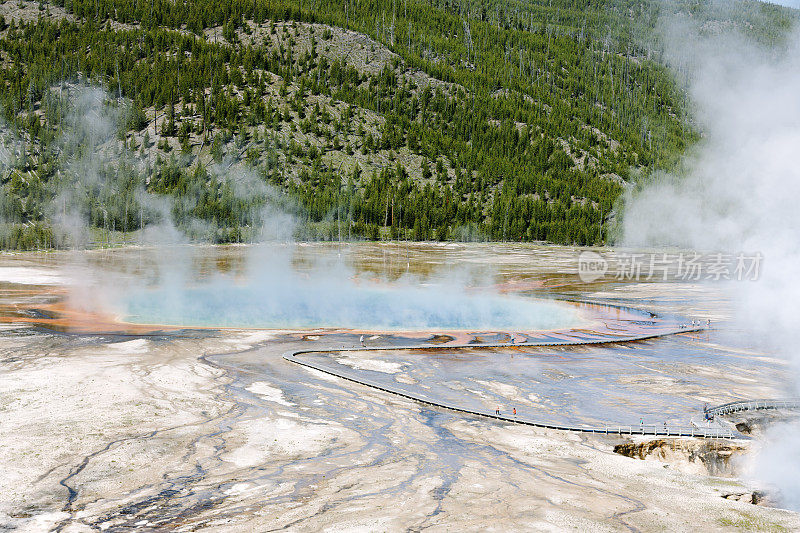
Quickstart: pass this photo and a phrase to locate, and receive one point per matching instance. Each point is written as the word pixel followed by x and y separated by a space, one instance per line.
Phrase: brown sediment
pixel 59 316
pixel 441 339
pixel 712 456
pixel 513 286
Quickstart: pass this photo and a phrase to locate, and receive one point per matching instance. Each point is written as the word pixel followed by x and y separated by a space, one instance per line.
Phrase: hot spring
pixel 299 303
pixel 278 286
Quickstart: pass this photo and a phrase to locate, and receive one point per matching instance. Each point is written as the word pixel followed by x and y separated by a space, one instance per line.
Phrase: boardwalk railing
pixel 652 430
pixel 752 405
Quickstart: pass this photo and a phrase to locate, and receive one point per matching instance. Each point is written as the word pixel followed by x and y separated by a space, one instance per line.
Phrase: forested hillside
pixel 426 120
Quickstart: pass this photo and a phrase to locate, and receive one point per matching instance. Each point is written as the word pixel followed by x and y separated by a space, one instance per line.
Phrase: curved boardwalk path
pixel 752 405
pixel 669 431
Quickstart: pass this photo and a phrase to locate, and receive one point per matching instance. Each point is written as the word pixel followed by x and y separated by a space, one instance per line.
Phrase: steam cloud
pixel 270 292
pixel 739 192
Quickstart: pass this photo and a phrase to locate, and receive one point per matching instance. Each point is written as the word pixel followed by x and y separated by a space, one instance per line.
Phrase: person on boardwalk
pixel 515 411
pixel 497 411
pixel 363 344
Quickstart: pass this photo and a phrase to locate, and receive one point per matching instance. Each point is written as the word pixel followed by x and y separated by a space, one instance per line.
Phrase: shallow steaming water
pixel 304 303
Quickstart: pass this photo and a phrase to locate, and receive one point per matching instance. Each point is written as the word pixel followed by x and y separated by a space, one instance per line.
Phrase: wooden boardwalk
pixel 752 405
pixel 652 430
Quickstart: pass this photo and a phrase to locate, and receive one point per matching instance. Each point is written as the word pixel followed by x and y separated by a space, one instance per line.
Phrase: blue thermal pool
pixel 293 303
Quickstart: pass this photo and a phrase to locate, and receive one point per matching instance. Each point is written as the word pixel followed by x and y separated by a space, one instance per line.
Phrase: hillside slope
pixel 505 121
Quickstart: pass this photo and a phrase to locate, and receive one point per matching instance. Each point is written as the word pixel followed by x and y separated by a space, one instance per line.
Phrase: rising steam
pixel 270 292
pixel 739 193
